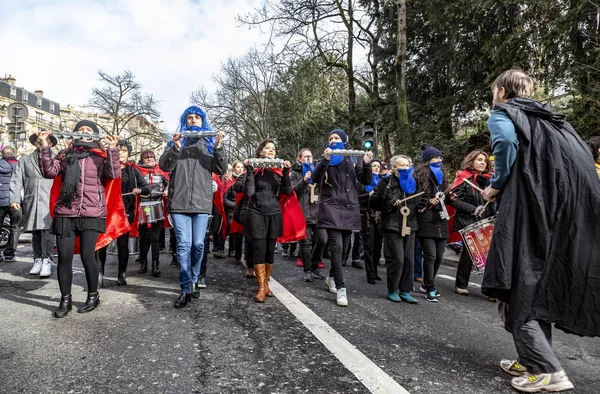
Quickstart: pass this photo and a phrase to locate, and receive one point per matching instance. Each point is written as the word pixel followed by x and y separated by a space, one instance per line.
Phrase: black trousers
pixel 399 253
pixel 66 249
pixel 249 252
pixel 150 237
pixel 357 247
pixel 338 240
pixel 373 238
pixel 218 242
pixel 463 272
pixel 15 216
pixel 264 250
pixel 122 253
pixel 204 264
pixel 312 247
pixel 161 238
pixel 236 242
pixel 433 252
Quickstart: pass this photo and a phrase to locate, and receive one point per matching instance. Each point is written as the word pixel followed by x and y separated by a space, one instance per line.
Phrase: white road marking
pixel 477 285
pixel 365 370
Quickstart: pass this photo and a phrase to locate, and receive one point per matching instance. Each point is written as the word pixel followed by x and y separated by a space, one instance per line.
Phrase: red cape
pixel 218 203
pixel 116 218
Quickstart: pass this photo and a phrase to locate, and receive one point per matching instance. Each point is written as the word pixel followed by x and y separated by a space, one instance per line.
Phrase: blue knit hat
pixel 429 152
pixel 341 133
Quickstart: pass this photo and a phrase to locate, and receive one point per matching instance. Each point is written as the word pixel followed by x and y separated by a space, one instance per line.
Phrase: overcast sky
pixel 171 46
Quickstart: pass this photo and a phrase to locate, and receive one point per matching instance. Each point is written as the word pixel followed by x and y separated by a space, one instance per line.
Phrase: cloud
pixel 171 46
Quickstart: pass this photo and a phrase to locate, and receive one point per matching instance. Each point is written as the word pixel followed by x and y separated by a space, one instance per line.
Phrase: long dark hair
pixel 264 143
pixel 423 177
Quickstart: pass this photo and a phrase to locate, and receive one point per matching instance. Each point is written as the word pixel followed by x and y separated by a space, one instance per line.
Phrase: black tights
pixel 149 238
pixel 122 253
pixel 66 248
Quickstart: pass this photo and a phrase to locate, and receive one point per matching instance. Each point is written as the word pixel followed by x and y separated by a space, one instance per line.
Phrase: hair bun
pixel 424 146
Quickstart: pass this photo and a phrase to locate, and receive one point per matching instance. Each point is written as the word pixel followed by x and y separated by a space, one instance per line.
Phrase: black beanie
pixel 429 152
pixel 87 123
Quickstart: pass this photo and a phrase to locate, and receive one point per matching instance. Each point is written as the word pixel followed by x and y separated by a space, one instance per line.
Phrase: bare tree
pixel 404 134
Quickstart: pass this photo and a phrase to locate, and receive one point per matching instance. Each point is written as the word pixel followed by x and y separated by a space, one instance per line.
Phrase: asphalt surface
pixel 226 343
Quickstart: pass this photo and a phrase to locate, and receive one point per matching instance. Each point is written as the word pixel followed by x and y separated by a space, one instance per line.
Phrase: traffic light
pixel 368 140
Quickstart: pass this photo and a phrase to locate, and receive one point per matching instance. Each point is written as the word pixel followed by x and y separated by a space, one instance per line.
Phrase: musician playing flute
pixel 132 185
pixel 391 197
pixel 191 161
pixel 338 211
pixel 263 221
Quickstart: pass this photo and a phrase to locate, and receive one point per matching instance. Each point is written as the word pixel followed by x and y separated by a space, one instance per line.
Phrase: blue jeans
pixel 190 229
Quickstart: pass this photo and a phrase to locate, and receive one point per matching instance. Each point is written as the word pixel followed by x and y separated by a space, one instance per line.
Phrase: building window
pixel 25 95
pixel 39 102
pixel 51 107
pixel 51 121
pixel 39 117
pixel 13 91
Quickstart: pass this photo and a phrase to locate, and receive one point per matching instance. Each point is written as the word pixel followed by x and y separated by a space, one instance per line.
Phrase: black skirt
pixel 66 227
pixel 259 226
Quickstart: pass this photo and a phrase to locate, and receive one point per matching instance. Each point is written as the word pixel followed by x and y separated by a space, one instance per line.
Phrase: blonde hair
pixel 516 83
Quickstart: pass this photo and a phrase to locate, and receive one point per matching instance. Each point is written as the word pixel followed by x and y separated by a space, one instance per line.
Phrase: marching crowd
pixel 86 196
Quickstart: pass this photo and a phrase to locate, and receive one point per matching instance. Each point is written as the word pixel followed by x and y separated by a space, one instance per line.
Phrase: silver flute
pixel 345 152
pixel 199 134
pixel 266 163
pixel 76 135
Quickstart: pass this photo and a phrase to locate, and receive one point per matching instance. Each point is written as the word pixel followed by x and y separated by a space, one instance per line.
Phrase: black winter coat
pixel 132 178
pixel 384 195
pixel 303 191
pixel 338 201
pixel 431 225
pixel 465 207
pixel 229 200
pixel 543 258
pixel 7 168
pixel 263 189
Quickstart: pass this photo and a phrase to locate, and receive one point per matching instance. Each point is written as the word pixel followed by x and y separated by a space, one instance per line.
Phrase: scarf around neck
pixel 407 182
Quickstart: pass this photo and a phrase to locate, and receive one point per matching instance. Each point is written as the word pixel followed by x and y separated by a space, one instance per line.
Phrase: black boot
pixel 143 267
pixel 92 302
pixel 121 279
pixel 64 307
pixel 174 261
pixel 155 269
pixel 183 300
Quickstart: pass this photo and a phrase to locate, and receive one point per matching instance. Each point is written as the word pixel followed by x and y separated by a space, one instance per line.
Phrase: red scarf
pixel 116 218
pixel 466 174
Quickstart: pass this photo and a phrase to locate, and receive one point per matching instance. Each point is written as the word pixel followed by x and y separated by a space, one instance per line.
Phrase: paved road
pixel 226 343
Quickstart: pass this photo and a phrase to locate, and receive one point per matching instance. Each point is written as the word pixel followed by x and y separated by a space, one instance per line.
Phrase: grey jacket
pixel 190 188
pixel 36 193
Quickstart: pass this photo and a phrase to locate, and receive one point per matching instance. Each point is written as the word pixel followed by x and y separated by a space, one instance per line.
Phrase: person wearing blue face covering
pixel 398 249
pixel 338 211
pixel 433 230
pixel 370 232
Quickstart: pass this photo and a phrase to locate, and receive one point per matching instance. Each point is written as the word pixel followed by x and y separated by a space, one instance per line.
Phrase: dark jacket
pixel 465 207
pixel 190 188
pixel 303 191
pixel 7 169
pixel 431 225
pixel 229 200
pixel 90 200
pixel 543 258
pixel 338 200
pixel 263 189
pixel 132 178
pixel 241 207
pixel 384 195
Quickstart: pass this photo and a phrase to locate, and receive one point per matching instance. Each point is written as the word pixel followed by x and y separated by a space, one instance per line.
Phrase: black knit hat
pixel 87 123
pixel 429 152
pixel 126 144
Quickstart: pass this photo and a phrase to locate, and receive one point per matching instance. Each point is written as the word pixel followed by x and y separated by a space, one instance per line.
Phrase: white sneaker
pixel 37 267
pixel 330 283
pixel 46 268
pixel 536 383
pixel 342 299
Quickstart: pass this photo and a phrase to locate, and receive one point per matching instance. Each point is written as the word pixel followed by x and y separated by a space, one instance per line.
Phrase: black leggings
pixel 311 257
pixel 122 253
pixel 264 250
pixel 338 242
pixel 150 237
pixel 66 248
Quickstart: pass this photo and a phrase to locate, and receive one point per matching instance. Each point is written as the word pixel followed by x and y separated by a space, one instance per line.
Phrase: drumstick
pixel 474 186
pixel 408 198
pixel 130 193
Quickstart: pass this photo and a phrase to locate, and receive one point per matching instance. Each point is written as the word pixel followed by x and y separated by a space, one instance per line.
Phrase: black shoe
pixel 64 307
pixel 155 269
pixel 143 268
pixel 183 300
pixel 174 262
pixel 371 281
pixel 318 273
pixel 357 264
pixel 307 276
pixel 378 278
pixel 121 281
pixel 92 302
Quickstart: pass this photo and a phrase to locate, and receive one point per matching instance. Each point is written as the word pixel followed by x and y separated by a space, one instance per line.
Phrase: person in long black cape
pixel 543 264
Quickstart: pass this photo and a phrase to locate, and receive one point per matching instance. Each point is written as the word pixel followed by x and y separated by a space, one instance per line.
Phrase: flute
pixel 199 134
pixel 266 163
pixel 76 135
pixel 345 152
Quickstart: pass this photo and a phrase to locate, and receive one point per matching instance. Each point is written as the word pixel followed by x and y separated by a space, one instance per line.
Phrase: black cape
pixel 543 258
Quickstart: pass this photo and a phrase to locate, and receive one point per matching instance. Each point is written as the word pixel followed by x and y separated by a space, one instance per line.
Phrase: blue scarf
pixel 336 160
pixel 436 168
pixel 371 186
pixel 306 167
pixel 407 182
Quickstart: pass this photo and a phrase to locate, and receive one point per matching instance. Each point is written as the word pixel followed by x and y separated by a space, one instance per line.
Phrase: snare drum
pixel 151 212
pixel 134 247
pixel 477 238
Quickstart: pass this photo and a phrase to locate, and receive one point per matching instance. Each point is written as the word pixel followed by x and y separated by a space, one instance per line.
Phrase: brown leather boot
pixel 261 276
pixel 268 291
